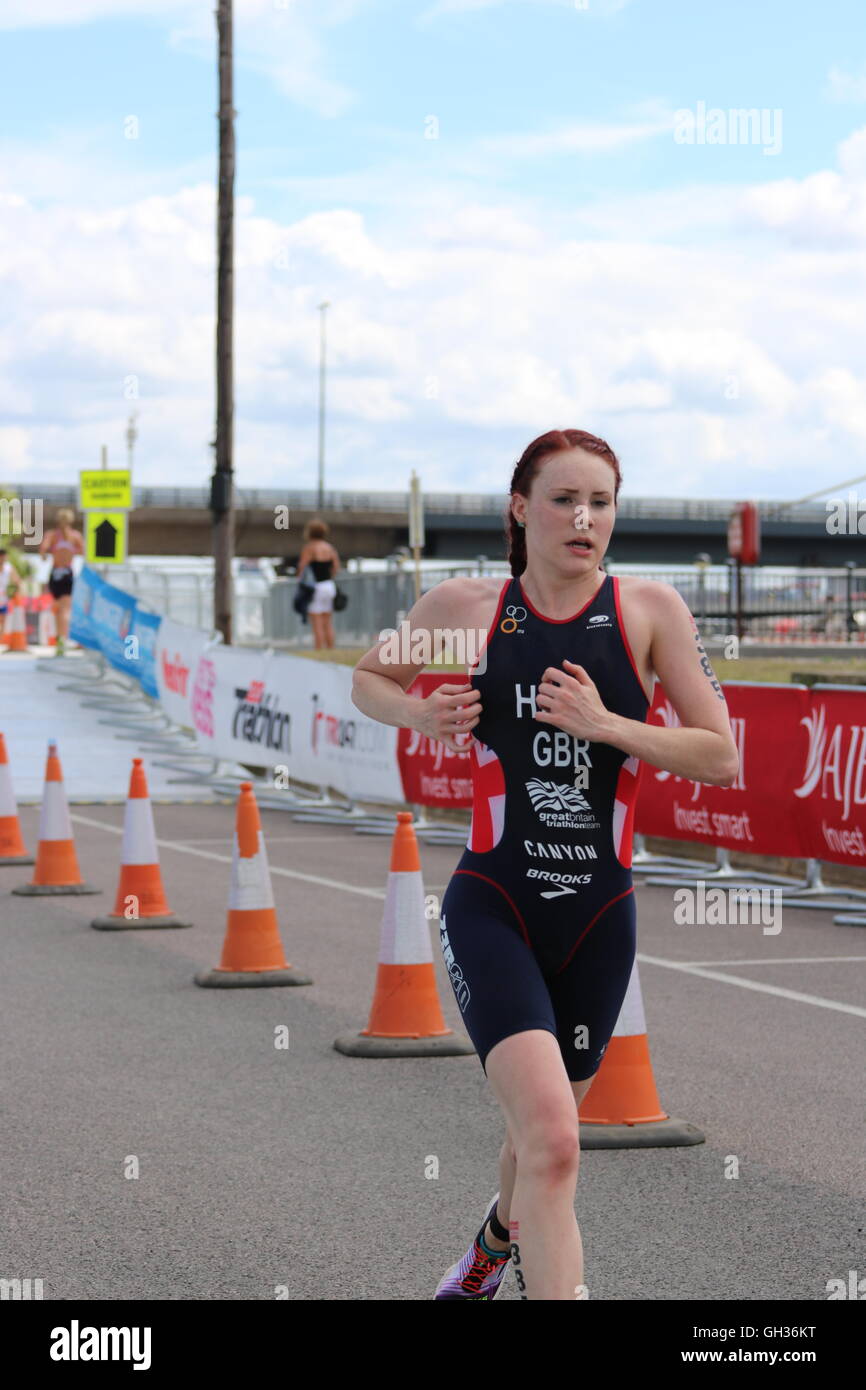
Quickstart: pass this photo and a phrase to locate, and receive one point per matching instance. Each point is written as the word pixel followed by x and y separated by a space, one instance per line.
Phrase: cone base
pixel 113 922
pixel 240 979
pixel 33 890
pixel 367 1045
pixel 16 859
pixel 652 1134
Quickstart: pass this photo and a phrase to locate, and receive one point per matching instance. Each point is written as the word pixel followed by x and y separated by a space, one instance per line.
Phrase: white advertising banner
pixel 178 649
pixel 332 743
pixel 234 715
pixel 289 712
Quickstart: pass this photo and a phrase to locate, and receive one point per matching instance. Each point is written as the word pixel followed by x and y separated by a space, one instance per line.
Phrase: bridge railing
pixel 396 503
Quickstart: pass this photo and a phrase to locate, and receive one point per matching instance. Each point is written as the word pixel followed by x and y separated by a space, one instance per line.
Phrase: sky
pixel 523 214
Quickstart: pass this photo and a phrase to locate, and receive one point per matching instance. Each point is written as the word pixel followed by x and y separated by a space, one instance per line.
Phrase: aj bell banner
pixel 830 774
pixel 801 788
pixel 800 791
pixel 760 813
pixel 433 774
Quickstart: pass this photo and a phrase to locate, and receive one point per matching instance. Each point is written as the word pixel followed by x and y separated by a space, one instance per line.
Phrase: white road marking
pixel 782 960
pixel 227 859
pixel 815 999
pixel 380 894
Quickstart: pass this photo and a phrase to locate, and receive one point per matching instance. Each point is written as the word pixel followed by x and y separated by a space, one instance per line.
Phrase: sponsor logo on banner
pixel 202 697
pixel 837 761
pixel 258 718
pixel 334 731
pixel 174 674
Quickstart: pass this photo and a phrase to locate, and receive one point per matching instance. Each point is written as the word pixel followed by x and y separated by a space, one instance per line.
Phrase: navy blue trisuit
pixel 537 924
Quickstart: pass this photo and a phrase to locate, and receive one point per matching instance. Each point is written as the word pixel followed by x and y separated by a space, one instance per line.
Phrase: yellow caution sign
pixel 105 489
pixel 105 538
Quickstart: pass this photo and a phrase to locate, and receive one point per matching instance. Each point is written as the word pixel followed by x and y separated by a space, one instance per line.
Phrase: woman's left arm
pixel 702 747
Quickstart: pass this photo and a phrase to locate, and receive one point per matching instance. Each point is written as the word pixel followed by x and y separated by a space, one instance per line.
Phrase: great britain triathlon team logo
pixel 514 616
pixel 559 805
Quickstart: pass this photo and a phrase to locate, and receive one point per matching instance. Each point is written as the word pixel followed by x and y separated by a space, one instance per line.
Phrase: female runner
pixel 537 925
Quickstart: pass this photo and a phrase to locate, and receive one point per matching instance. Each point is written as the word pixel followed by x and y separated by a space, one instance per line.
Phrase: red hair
pixel 526 470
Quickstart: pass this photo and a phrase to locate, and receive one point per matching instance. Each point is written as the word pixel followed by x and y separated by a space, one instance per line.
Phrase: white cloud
pixel 585 138
pixel 846 86
pixel 593 9
pixel 713 335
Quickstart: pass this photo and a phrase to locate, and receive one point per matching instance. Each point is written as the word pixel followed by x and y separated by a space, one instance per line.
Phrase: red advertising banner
pixel 800 791
pixel 759 814
pixel 830 775
pixel 432 774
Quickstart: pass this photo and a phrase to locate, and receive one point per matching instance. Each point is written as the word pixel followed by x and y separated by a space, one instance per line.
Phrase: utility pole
pixel 321 497
pixel 222 483
pixel 131 437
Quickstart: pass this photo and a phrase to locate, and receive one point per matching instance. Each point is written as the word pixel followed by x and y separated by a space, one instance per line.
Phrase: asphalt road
pixel 262 1167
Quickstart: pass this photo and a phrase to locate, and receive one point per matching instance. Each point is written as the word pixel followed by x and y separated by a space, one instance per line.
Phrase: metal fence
pixel 778 606
pixel 186 595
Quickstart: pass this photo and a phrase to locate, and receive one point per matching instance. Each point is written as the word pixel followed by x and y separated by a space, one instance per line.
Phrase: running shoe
pixel 60 647
pixel 476 1275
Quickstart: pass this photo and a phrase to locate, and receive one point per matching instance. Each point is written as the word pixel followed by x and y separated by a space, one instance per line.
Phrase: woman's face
pixel 570 511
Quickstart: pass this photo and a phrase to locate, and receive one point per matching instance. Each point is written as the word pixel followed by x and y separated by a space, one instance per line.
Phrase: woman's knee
pixel 548 1148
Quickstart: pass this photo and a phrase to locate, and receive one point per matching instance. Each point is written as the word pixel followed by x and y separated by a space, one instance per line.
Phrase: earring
pixel 520 523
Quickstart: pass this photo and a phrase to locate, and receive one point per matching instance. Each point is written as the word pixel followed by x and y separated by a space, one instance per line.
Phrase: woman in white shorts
pixel 321 556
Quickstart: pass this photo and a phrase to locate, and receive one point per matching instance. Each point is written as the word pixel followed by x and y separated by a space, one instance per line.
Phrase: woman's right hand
pixel 448 711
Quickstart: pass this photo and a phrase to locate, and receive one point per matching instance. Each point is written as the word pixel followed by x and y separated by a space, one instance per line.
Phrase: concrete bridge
pixel 270 522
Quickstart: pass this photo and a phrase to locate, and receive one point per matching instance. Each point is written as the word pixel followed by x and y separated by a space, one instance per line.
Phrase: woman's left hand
pixel 572 704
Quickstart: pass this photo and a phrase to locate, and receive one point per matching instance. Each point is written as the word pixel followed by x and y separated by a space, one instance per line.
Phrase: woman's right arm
pixel 380 679
pixel 46 541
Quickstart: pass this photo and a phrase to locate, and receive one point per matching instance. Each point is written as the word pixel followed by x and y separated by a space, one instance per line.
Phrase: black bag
pixel 341 598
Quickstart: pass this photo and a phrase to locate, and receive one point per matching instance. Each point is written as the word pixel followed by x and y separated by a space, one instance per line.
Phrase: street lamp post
pixel 322 307
pixel 131 437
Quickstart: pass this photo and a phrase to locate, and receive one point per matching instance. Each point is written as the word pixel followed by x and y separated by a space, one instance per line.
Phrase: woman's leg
pixel 62 608
pixel 318 634
pixel 508 1171
pixel 529 1080
pixel 329 630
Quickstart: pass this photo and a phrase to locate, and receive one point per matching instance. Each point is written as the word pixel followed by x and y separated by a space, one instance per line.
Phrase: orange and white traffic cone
pixel 56 861
pixel 621 1109
pixel 12 847
pixel 406 1017
pixel 47 622
pixel 252 949
pixel 140 900
pixel 16 627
